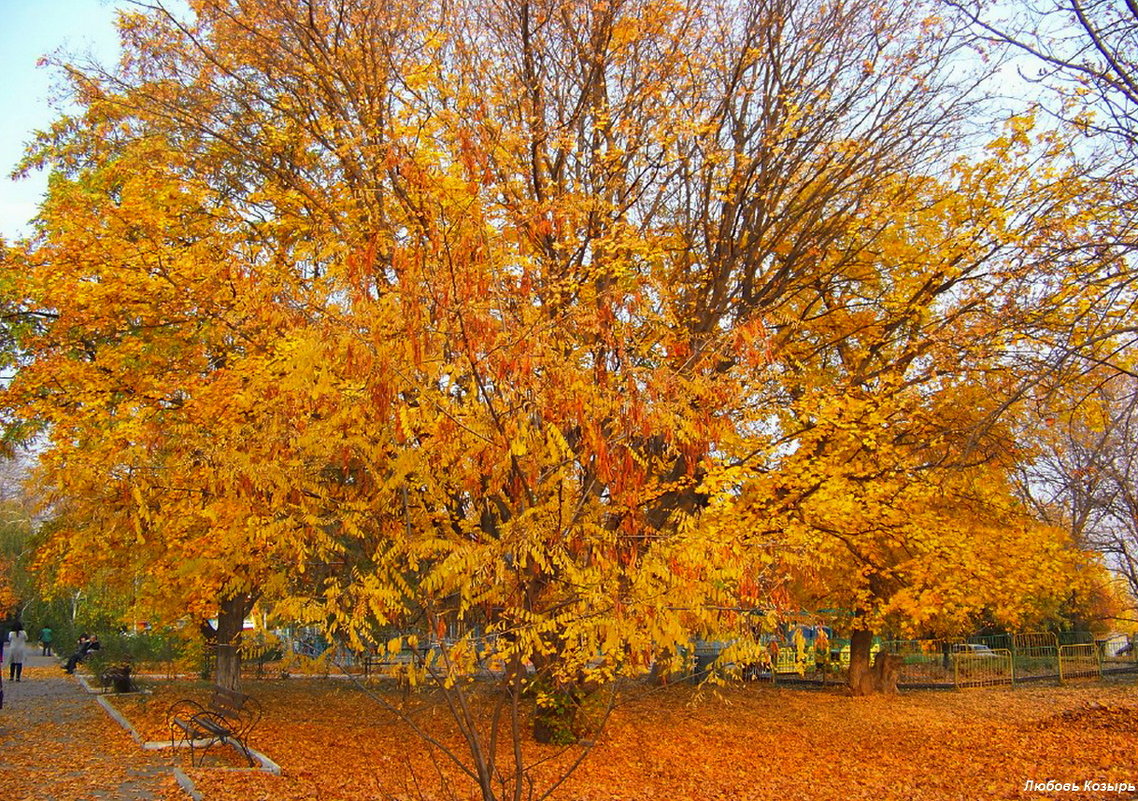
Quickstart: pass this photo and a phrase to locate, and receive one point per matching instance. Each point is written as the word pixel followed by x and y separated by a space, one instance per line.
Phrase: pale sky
pixel 29 30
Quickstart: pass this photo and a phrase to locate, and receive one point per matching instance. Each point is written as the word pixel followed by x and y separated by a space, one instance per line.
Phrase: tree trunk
pixel 866 679
pixel 557 699
pixel 230 623
pixel 860 679
pixel 555 717
pixel 555 710
pixel 886 671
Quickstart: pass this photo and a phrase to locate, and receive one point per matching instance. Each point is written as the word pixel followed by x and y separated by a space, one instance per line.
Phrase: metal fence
pixel 1079 662
pixel 975 661
pixel 923 662
pixel 1009 659
pixel 989 667
pixel 1036 655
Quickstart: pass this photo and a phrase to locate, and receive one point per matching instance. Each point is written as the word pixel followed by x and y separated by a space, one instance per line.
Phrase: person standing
pixel 46 636
pixel 17 643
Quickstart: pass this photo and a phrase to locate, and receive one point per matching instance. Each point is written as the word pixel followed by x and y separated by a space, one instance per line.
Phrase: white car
pixel 974 649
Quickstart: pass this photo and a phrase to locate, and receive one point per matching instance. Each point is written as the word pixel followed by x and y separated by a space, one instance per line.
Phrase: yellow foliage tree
pixel 566 330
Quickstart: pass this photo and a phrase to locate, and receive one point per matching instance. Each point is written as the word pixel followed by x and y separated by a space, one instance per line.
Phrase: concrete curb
pixel 118 718
pixel 187 784
pixel 265 764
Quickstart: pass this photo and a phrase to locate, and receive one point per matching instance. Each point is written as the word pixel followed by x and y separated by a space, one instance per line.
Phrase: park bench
pixel 227 718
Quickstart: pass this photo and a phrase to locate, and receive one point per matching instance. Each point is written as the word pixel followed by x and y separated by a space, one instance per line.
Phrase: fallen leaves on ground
pixel 749 743
pixel 56 744
pixel 1096 715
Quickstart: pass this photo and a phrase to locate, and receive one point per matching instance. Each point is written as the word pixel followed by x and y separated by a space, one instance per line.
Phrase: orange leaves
pixel 60 744
pixel 733 743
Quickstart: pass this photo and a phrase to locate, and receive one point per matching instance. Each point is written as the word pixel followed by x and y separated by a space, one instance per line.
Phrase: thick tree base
pixel 227 640
pixel 881 677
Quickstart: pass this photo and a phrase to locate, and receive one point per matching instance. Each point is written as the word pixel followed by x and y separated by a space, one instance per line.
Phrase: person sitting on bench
pixel 87 644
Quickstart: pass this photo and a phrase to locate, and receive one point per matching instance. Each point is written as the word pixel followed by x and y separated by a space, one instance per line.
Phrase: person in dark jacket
pixel 87 644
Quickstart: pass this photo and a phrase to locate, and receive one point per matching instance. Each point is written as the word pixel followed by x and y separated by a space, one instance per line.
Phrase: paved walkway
pixel 58 744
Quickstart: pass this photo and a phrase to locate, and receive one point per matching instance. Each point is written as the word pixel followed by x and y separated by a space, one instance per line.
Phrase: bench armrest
pixel 183 710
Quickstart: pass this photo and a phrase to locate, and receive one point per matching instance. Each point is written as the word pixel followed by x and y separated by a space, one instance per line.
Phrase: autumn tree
pixel 1079 57
pixel 890 489
pixel 145 315
pixel 1083 476
pixel 570 330
pixel 1082 50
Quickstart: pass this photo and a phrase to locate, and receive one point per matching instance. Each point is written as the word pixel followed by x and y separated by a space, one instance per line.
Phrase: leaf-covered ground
pixel 57 744
pixel 757 742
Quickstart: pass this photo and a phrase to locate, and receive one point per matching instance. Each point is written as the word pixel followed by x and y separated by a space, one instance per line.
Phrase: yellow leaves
pixel 1019 126
pixel 557 444
pixel 8 598
pixel 402 317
